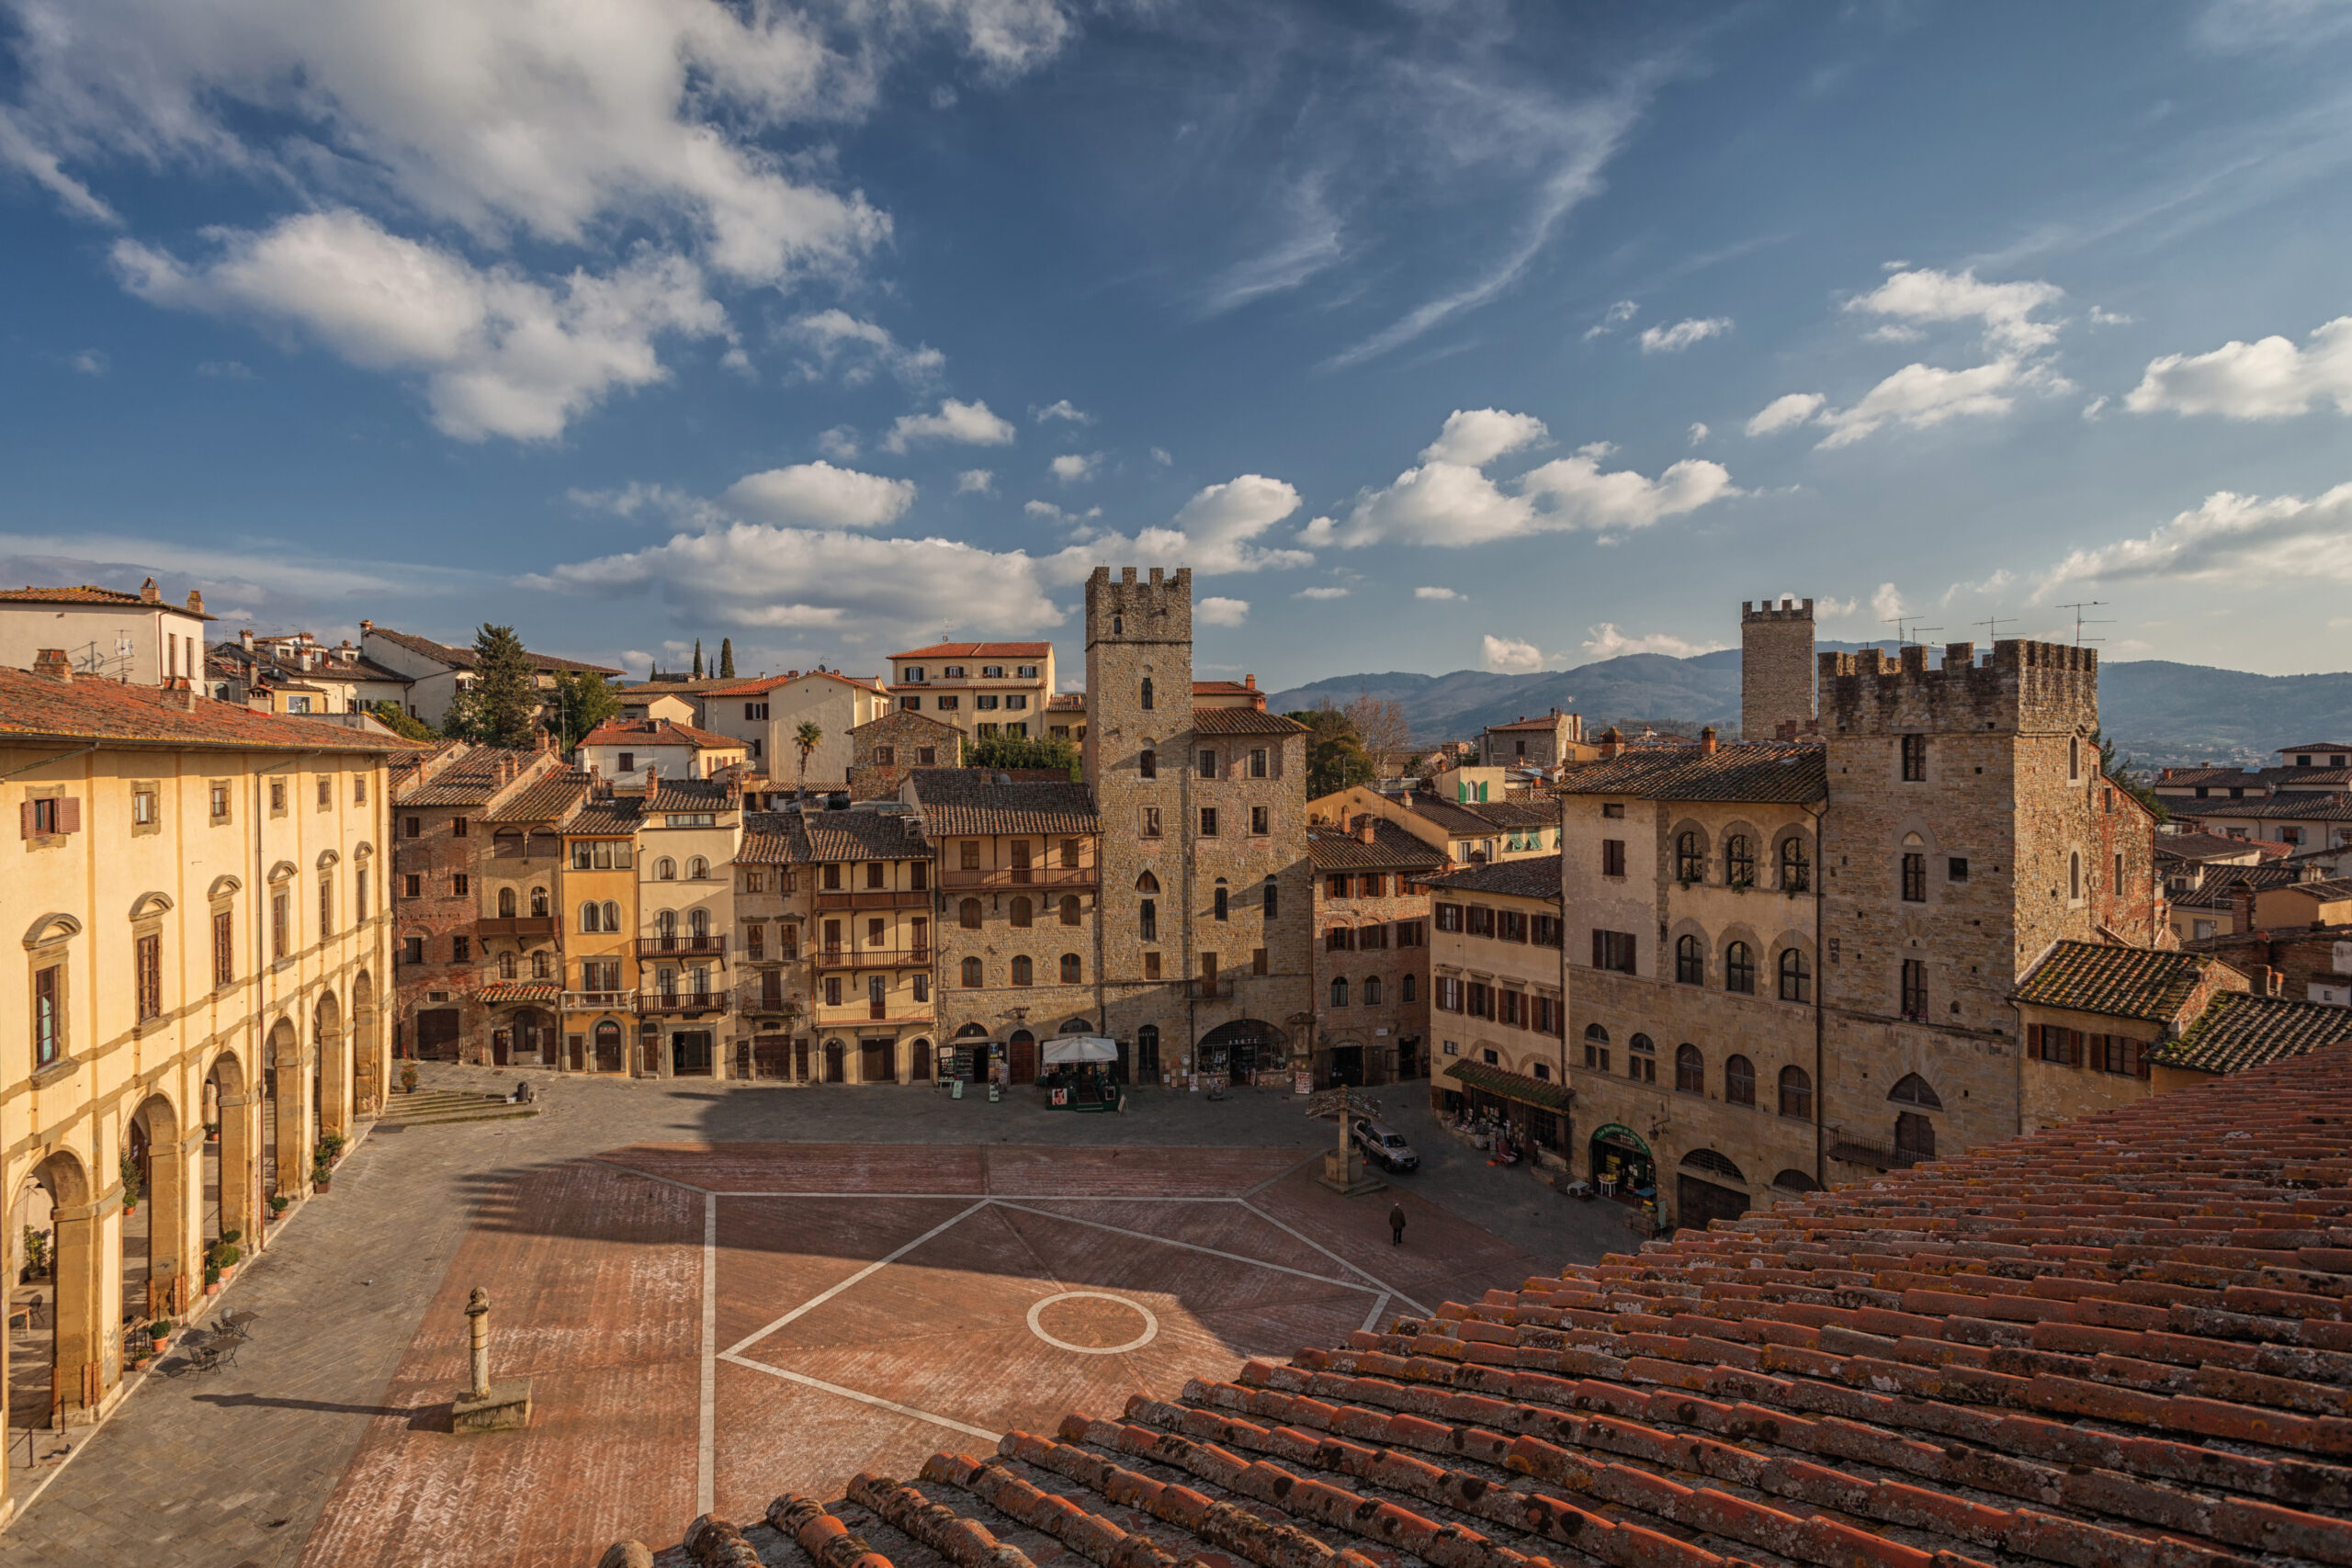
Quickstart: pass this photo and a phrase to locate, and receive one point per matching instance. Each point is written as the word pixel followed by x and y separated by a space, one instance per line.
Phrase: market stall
pixel 1077 1072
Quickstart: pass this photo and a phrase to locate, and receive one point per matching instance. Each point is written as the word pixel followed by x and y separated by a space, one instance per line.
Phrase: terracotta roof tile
pixel 1393 847
pixel 968 802
pixel 1763 772
pixel 2237 1031
pixel 696 794
pixel 608 819
pixel 463 657
pixel 658 732
pixel 2120 982
pixel 471 780
pixel 979 650
pixel 865 835
pixel 499 993
pixel 1511 1086
pixel 112 712
pixel 1243 721
pixel 549 799
pixel 87 595
pixel 1531 876
pixel 1549 721
pixel 772 838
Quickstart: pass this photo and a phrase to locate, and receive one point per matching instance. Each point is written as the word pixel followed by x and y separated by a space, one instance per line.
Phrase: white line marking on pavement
pixel 650 1176
pixel 1333 1256
pixel 823 1296
pixel 875 1400
pixel 1372 1318
pixel 1029 1197
pixel 706 1467
pixel 1374 1286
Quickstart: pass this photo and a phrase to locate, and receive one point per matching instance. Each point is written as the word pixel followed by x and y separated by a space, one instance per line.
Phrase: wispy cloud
pixel 1683 334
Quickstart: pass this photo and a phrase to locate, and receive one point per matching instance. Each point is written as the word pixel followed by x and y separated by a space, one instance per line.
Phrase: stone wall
pixel 1775 668
pixel 1376 1030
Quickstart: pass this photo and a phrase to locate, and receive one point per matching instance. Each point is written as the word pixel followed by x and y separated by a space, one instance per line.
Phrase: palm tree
pixel 807 738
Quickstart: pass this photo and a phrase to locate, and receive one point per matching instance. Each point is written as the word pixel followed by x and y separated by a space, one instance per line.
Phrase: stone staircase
pixel 437 1107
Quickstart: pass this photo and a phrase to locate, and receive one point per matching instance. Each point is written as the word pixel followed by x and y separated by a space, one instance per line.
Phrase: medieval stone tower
pixel 1775 668
pixel 1962 838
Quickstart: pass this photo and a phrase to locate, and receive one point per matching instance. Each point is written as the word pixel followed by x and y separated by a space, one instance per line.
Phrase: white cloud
pixel 1063 408
pixel 498 355
pixel 1221 611
pixel 839 442
pixel 1605 642
pixel 1072 467
pixel 1450 500
pixel 225 370
pixel 1893 333
pixel 1699 432
pixel 2001 578
pixel 818 495
pixel 89 361
pixel 1887 602
pixel 1785 413
pixel 1683 334
pixel 755 574
pixel 1160 455
pixel 2239 539
pixel 1427 591
pixel 1510 655
pixel 1616 316
pixel 1320 594
pixel 2097 406
pixel 1923 294
pixel 1306 239
pixel 1919 397
pixel 633 499
pixel 970 423
pixel 1046 511
pixel 2103 318
pixel 1215 533
pixel 1476 437
pixel 2269 378
pixel 975 482
pixel 836 336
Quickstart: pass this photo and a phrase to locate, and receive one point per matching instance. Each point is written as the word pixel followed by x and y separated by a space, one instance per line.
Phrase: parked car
pixel 1383 1144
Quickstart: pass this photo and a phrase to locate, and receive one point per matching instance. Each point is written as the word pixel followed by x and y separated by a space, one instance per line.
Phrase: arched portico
pixel 1241 1047
pixel 76 1310
pixel 331 1070
pixel 228 1101
pixel 285 1156
pixel 157 1254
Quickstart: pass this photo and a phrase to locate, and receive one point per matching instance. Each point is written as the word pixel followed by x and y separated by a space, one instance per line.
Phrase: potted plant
pixel 159 1333
pixel 322 1175
pixel 36 1254
pixel 211 1280
pixel 213 1131
pixel 280 1203
pixel 408 1077
pixel 132 1183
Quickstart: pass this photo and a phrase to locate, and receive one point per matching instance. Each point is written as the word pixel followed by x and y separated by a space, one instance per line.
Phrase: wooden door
pixel 1022 1057
pixel 608 1047
pixel 800 1059
pixel 501 1046
pixel 874 1061
pixel 836 1064
pixel 577 1052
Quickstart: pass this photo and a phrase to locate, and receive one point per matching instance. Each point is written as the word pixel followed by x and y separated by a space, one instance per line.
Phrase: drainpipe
pixel 44 762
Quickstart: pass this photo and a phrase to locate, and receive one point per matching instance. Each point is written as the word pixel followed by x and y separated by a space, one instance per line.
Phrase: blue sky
pixel 1432 336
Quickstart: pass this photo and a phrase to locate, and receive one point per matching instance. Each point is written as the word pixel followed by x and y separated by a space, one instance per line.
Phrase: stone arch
pixel 1246 1045
pixel 367 1046
pixel 79 1355
pixel 156 1137
pixel 1714 1164
pixel 1685 934
pixel 1793 873
pixel 223 886
pixel 329 859
pixel 1689 844
pixel 147 906
pixel 228 1105
pixel 1737 834
pixel 329 1060
pixel 1912 1089
pixel 284 871
pixel 283 1144
pixel 55 926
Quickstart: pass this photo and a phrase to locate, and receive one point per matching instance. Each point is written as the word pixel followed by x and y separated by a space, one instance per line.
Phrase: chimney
pixel 50 661
pixel 245 638
pixel 1707 741
pixel 2241 909
pixel 367 626
pixel 653 782
pixel 195 603
pixel 1611 742
pixel 1250 681
pixel 1365 828
pixel 150 594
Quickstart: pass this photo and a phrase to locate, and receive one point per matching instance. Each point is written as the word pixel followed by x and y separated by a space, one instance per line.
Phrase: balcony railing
pixel 1886 1157
pixel 1005 878
pixel 673 1003
pixel 596 1002
pixel 873 957
pixel 876 898
pixel 761 1004
pixel 1218 989
pixel 516 925
pixel 687 946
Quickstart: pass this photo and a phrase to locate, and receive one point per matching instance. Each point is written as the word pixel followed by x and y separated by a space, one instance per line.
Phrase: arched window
pixel 506 966
pixel 967 914
pixel 1739 861
pixel 1915 1136
pixel 1372 990
pixel 1796 980
pixel 1021 910
pixel 1073 972
pixel 1689 1069
pixel 1709 1160
pixel 1340 992
pixel 698 869
pixel 699 924
pixel 1023 974
pixel 1795 1181
pixel 506 903
pixel 1796 1094
pixel 1739 968
pixel 1641 1059
pixel 1796 872
pixel 1146 883
pixel 1147 766
pixel 540 961
pixel 539 903
pixel 1269 896
pixel 1145 694
pixel 1596 1036
pixel 1406 990
pixel 1147 1048
pixel 592 918
pixel 972 973
pixel 1069 909
pixel 665 870
pixel 1223 910
pixel 1740 1081
pixel 665 924
pixel 2075 874
pixel 1688 865
pixel 612 915
pixel 1689 962
pixel 1912 1089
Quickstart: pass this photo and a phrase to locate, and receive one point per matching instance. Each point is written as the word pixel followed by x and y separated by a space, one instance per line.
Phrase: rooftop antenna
pixel 1992 625
pixel 1899 622
pixel 2080 623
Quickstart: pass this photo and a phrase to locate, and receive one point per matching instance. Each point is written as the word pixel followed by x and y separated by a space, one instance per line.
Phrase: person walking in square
pixel 1396 1224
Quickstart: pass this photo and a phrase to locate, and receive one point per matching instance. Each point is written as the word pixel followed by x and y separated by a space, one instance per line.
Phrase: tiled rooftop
pixel 1392 849
pixel 2237 1031
pixel 979 650
pixel 471 780
pixel 1509 1085
pixel 1767 771
pixel 656 732
pixel 2117 1343
pixel 548 800
pixel 771 838
pixel 2120 982
pixel 1243 721
pixel 968 802
pixel 2203 846
pixel 863 835
pixel 1529 877
pixel 87 595
pixel 696 794
pixel 114 713
pixel 2221 882
pixel 614 818
pixel 463 657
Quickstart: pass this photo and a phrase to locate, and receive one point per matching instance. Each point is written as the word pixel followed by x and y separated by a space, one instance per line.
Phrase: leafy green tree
pixel 1335 754
pixel 501 706
pixel 584 700
pixel 806 739
pixel 1024 751
pixel 2127 776
pixel 697 676
pixel 727 658
pixel 394 717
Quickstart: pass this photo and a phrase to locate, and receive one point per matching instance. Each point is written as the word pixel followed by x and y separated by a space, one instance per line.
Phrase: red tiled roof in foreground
pixel 2117 1343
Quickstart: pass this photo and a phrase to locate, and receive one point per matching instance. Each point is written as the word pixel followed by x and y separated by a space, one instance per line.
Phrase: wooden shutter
pixel 25 820
pixel 69 814
pixel 2033 1041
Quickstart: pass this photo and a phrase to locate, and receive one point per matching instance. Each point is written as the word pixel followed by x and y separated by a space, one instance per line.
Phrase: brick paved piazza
pixel 722 1294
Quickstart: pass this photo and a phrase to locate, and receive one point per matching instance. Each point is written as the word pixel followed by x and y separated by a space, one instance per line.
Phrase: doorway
pixel 874 1060
pixel 1696 1202
pixel 690 1053
pixel 836 1062
pixel 501 1046
pixel 608 1047
pixel 1021 1059
pixel 1347 1066
pixel 436 1033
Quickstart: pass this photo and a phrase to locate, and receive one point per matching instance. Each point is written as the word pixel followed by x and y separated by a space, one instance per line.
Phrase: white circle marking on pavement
pixel 1150 1323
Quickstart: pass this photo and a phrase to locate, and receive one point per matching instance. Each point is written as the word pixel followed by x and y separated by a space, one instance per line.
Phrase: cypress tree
pixel 726 657
pixel 697 676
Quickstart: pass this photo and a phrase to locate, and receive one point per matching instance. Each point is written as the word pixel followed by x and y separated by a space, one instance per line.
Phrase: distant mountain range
pixel 2156 711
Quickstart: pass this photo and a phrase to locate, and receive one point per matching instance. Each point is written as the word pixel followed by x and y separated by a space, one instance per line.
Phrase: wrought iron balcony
pixel 516 925
pixel 682 946
pixel 1005 879
pixel 873 957
pixel 681 1003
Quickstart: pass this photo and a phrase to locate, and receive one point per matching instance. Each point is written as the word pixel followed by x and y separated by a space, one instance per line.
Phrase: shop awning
pixel 1511 1086
pixel 1063 1048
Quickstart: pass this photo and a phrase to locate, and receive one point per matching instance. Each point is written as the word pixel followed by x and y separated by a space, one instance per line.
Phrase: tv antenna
pixel 1899 622
pixel 2080 623
pixel 1992 625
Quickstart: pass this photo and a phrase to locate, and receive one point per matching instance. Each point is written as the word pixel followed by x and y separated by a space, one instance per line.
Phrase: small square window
pixel 1956 868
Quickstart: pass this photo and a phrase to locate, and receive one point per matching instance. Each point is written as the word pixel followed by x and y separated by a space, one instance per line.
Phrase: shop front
pixel 1510 1110
pixel 1623 1166
pixel 1239 1052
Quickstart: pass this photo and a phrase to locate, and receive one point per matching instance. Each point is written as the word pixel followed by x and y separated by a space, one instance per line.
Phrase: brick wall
pixel 1375 1030
pixel 1775 668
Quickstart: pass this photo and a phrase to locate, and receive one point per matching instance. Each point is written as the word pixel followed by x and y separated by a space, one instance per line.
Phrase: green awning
pixel 1511 1086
